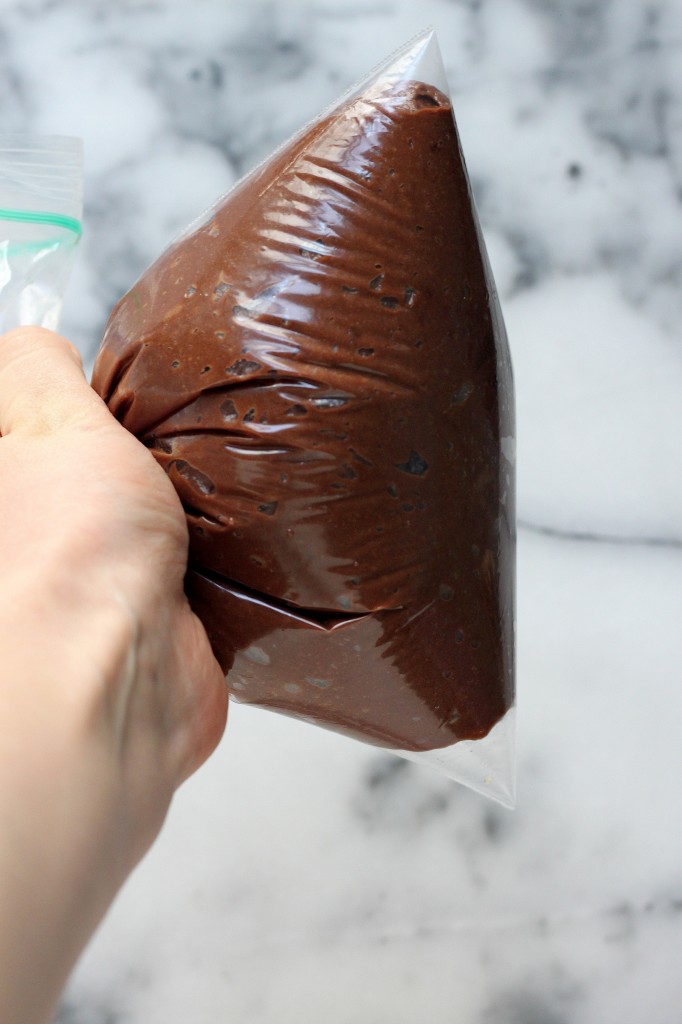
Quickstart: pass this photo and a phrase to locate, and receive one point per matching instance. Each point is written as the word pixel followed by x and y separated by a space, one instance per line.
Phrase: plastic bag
pixel 320 366
pixel 41 201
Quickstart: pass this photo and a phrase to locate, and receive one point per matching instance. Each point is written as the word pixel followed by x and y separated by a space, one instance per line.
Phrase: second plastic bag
pixel 41 202
pixel 321 368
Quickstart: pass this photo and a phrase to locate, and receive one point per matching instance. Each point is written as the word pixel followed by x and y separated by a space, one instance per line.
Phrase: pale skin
pixel 110 696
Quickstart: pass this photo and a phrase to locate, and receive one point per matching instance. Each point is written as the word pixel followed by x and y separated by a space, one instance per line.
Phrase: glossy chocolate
pixel 322 370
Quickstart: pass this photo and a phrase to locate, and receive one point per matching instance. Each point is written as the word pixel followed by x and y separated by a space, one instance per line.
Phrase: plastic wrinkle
pixel 326 619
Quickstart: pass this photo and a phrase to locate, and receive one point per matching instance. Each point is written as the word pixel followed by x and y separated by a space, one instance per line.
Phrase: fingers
pixel 212 719
pixel 202 727
pixel 42 384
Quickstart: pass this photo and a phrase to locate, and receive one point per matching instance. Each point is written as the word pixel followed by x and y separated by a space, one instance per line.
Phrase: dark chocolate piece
pixel 322 370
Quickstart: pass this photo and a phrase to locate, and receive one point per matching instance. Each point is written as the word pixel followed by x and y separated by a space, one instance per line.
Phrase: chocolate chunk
pixel 242 366
pixel 415 464
pixel 196 479
pixel 228 410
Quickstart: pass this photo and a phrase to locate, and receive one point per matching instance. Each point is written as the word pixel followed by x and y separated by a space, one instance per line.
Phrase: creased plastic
pixel 320 366
pixel 41 201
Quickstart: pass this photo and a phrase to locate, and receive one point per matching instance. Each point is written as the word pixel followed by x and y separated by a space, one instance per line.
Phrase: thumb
pixel 42 384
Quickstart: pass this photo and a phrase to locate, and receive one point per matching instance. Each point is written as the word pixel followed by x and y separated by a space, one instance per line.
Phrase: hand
pixel 109 694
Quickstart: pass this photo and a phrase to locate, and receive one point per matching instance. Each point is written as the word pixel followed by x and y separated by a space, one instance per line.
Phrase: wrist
pixel 69 838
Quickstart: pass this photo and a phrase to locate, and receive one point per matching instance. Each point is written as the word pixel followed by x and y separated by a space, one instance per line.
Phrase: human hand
pixel 109 694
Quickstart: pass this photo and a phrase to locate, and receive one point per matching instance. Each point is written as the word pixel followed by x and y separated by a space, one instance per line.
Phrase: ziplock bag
pixel 320 366
pixel 41 202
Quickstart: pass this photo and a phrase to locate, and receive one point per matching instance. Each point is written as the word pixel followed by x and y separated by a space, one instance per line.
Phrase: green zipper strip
pixel 56 220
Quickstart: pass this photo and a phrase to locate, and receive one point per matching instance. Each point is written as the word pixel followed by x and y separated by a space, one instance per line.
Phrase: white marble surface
pixel 302 877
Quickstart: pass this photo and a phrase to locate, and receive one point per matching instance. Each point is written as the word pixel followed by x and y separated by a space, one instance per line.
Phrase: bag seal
pixel 43 217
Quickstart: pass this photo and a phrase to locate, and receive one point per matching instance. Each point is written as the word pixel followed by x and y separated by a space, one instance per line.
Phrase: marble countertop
pixel 302 877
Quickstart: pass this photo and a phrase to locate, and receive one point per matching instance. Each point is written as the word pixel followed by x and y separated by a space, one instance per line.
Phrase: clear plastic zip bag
pixel 319 363
pixel 41 202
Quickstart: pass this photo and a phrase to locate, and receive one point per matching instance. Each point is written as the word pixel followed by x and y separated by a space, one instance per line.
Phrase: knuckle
pixel 24 340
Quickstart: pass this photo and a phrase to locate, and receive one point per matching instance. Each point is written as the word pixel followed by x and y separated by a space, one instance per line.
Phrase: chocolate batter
pixel 322 370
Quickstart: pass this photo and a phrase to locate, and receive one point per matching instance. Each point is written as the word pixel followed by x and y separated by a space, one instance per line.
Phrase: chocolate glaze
pixel 322 370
